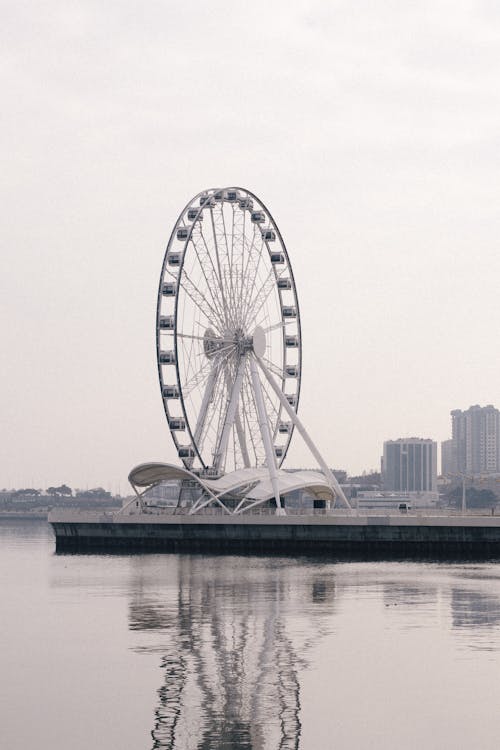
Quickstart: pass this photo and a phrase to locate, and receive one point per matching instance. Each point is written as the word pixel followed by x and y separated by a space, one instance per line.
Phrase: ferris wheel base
pixel 235 493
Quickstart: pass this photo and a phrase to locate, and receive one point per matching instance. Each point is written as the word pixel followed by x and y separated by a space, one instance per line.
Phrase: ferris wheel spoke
pixel 201 372
pixel 211 277
pixel 237 262
pixel 232 294
pixel 273 367
pixel 217 257
pixel 249 290
pixel 198 338
pixel 222 355
pixel 200 300
pixel 274 409
pixel 244 290
pixel 189 355
pixel 196 292
pixel 274 327
pixel 233 275
pixel 231 257
pixel 260 299
pixel 197 378
pixel 252 281
pixel 239 286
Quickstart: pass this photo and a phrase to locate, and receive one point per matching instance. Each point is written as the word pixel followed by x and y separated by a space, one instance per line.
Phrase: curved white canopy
pixel 255 482
pixel 147 475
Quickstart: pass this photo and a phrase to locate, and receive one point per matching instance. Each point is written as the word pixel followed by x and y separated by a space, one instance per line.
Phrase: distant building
pixel 448 461
pixel 409 465
pixel 475 441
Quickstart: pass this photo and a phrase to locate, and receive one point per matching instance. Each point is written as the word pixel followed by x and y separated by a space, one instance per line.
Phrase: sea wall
pixel 375 538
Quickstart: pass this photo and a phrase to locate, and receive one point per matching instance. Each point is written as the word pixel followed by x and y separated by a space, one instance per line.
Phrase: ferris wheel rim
pixel 180 222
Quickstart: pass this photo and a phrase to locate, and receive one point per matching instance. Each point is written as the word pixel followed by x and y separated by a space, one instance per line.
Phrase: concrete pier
pixel 342 536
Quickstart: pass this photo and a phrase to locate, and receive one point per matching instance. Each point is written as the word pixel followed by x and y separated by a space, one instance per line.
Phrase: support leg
pixel 332 480
pixel 266 435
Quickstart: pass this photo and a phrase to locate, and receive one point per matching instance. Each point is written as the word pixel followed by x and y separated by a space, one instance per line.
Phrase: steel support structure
pixel 332 480
pixel 266 435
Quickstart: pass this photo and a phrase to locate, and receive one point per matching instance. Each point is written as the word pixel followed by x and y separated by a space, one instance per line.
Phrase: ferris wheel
pixel 229 353
pixel 229 346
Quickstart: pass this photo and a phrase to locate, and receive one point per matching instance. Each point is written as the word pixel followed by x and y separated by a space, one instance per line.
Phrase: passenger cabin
pixel 268 235
pixel 279 451
pixel 219 195
pixel 246 203
pixel 174 259
pixel 292 371
pixel 284 284
pixel 289 312
pixel 177 423
pixel 183 233
pixel 167 322
pixel 232 195
pixel 170 391
pixel 185 451
pixel 292 342
pixel 277 259
pixel 193 214
pixel 207 201
pixel 292 399
pixel 258 217
pixel 285 428
pixel 169 289
pixel 167 357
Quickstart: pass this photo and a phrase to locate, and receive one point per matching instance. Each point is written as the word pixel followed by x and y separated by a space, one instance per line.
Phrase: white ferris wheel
pixel 229 352
pixel 227 294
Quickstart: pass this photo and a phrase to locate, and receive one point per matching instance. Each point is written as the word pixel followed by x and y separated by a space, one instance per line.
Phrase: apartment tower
pixel 410 465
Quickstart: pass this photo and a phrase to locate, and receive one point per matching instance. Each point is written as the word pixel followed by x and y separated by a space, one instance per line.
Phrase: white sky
pixel 370 129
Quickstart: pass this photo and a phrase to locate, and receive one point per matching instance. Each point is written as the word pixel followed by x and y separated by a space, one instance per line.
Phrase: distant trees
pixel 25 498
pixel 474 498
pixel 340 475
pixel 94 494
pixel 366 479
pixel 29 498
pixel 63 491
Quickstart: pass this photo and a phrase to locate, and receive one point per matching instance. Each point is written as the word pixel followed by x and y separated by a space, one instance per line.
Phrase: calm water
pixel 180 651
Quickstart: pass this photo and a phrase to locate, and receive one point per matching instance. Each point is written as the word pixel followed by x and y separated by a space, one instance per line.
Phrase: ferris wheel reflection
pixel 234 652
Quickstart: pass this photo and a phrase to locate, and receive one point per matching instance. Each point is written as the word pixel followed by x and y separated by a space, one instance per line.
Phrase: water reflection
pixel 19 532
pixel 244 652
pixel 236 634
pixel 472 609
pixel 235 649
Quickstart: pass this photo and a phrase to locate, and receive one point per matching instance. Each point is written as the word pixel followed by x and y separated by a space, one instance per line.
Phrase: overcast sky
pixel 370 129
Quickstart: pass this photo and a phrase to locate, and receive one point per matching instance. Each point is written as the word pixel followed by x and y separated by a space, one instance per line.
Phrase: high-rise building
pixel 475 440
pixel 410 465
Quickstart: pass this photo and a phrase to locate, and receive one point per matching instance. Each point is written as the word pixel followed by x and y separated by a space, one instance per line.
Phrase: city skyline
pixel 444 465
pixel 375 146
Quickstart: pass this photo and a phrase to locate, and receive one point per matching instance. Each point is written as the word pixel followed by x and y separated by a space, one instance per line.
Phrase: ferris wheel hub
pixel 259 342
pixel 211 343
pixel 233 342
